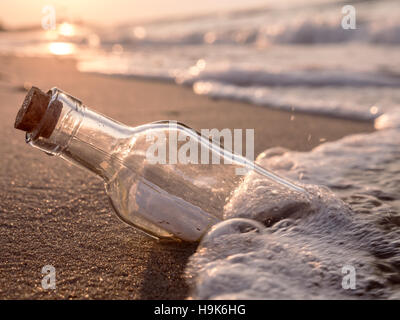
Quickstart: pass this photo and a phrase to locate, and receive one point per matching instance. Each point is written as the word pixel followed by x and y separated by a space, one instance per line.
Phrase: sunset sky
pixel 27 12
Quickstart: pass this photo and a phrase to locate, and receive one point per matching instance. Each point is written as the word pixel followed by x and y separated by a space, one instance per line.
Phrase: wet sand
pixel 52 213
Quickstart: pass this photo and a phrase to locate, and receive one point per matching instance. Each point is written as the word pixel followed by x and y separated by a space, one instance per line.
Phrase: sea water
pixel 301 248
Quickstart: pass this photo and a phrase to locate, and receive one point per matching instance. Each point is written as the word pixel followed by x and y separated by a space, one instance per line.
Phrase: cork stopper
pixel 36 115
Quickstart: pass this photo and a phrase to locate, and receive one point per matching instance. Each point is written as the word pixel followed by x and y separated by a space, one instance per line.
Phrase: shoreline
pixel 53 213
pixel 233 100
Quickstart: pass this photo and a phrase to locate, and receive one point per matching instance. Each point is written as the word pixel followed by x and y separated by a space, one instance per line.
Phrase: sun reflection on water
pixel 66 29
pixel 61 48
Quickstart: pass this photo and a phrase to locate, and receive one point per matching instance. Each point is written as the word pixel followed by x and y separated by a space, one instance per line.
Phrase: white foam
pixel 349 102
pixel 301 253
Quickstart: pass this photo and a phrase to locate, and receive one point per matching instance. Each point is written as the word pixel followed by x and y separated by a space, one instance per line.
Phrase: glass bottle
pixel 177 198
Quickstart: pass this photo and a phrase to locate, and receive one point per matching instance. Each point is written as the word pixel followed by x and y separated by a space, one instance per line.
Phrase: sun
pixel 66 29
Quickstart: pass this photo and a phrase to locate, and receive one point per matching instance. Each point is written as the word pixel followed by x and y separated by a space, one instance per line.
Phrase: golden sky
pixel 28 12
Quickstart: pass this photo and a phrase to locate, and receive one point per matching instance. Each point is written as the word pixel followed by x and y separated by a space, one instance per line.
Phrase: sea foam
pixel 304 243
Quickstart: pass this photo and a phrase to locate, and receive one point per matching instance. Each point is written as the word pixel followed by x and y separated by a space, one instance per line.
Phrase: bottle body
pixel 171 199
pixel 152 182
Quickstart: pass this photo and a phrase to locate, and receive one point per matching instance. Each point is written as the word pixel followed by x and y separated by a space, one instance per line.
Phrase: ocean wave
pixel 365 104
pixel 287 101
pixel 308 32
pixel 302 32
pixel 351 94
pixel 314 78
pixel 303 245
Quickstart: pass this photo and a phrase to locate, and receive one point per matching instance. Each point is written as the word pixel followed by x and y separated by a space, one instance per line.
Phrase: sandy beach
pixel 55 214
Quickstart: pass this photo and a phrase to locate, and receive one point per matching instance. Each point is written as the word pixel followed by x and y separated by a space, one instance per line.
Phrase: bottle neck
pixel 83 137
